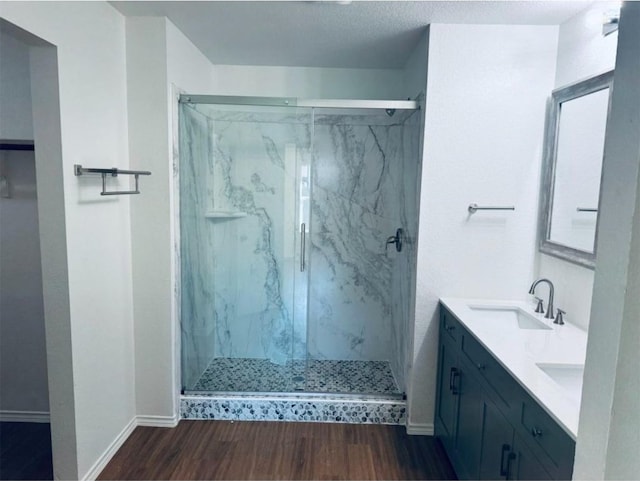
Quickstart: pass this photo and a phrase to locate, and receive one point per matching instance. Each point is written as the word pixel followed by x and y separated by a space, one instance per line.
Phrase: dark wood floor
pixel 277 450
pixel 25 451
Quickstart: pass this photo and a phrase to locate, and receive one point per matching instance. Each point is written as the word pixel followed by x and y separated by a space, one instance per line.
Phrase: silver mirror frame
pixel 547 184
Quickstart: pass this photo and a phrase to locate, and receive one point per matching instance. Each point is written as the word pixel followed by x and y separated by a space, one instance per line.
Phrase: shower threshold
pixel 295 407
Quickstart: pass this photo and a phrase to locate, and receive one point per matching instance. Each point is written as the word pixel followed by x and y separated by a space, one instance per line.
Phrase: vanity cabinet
pixel 469 421
pixel 489 426
pixel 447 393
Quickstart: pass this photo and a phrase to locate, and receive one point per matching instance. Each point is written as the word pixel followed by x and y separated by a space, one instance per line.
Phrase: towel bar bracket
pixel 78 170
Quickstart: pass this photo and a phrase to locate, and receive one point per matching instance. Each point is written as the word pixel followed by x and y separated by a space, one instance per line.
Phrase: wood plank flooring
pixel 277 450
pixel 25 451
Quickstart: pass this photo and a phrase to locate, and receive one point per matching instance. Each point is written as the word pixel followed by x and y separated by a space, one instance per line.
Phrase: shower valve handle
pixel 395 239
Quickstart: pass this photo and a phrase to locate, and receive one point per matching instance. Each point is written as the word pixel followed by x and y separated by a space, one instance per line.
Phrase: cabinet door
pixel 446 408
pixel 525 464
pixel 470 421
pixel 497 444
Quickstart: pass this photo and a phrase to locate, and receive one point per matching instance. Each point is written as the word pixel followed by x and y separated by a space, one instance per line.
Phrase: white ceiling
pixel 363 34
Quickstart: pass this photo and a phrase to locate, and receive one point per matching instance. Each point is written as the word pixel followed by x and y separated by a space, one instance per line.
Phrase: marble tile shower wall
pixel 197 300
pixel 358 299
pixel 239 282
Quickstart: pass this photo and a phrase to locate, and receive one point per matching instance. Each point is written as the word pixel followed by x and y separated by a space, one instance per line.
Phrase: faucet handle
pixel 559 317
pixel 540 306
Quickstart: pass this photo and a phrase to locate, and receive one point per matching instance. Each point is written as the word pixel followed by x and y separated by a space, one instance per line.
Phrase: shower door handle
pixel 303 242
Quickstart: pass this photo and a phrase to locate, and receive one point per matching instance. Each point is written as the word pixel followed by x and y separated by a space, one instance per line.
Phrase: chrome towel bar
pixel 78 170
pixel 473 208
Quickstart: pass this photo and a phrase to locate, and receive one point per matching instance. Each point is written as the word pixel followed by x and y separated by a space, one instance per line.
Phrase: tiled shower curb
pixel 324 410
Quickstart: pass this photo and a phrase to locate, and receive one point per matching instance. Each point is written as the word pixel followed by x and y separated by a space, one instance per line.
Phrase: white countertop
pixel 518 350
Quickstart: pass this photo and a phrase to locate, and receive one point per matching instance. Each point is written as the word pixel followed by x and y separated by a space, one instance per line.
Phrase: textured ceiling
pixel 361 34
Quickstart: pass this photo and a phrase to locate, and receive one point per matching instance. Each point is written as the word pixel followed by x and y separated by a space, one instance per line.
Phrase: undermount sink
pixel 509 315
pixel 567 376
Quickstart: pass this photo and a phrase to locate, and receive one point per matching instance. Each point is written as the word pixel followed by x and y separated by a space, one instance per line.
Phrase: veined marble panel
pixel 355 208
pixel 403 277
pixel 239 215
pixel 254 172
pixel 197 322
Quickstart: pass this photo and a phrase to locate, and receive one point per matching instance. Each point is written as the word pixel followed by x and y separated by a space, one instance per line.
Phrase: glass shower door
pixel 363 175
pixel 243 224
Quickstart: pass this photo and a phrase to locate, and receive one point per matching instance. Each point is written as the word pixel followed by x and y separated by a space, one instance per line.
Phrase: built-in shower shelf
pixel 224 214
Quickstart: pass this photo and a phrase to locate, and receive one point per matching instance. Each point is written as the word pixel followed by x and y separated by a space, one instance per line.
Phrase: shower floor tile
pixel 261 375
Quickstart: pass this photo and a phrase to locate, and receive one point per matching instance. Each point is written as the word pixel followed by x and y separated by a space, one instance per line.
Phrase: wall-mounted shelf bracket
pixel 78 170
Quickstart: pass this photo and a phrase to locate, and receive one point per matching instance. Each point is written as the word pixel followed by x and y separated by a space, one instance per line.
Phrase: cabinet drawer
pixel 546 433
pixel 449 325
pixel 504 388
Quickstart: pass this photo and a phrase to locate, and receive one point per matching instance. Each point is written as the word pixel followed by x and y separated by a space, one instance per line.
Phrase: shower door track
pixel 297 395
pixel 296 102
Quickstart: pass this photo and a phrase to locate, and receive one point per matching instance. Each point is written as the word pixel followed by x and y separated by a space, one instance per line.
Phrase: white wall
pixel 582 52
pixel 158 55
pixel 485 106
pixel 15 89
pixel 308 82
pixel 90 41
pixel 415 70
pixel 148 150
pixel 609 429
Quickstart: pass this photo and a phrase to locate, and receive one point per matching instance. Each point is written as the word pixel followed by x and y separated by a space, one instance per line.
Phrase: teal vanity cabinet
pixel 459 403
pixel 487 423
pixel 447 391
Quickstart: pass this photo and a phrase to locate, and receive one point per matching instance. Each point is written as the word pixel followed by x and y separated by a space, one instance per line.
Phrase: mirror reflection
pixel 574 148
pixel 578 167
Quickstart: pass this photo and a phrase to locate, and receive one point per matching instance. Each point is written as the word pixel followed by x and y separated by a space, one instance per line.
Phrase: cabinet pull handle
pixel 504 471
pixel 480 367
pixel 535 432
pixel 510 458
pixel 450 328
pixel 452 380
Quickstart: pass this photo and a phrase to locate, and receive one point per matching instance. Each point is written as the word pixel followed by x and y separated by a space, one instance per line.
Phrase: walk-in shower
pixel 287 281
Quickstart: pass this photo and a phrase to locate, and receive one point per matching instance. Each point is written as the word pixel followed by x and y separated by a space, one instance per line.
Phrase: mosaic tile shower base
pixel 261 375
pixel 301 410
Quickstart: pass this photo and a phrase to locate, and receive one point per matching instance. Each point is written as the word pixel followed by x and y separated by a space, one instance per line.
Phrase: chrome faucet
pixel 549 314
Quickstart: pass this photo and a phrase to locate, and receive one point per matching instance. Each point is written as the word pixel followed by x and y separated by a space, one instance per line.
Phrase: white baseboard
pixel 24 416
pixel 420 429
pixel 153 421
pixel 158 421
pixel 103 460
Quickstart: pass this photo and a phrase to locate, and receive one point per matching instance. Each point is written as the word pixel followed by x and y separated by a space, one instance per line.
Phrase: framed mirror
pixel 572 169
